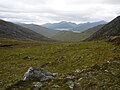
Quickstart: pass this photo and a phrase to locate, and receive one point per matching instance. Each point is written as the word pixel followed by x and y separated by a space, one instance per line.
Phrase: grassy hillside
pixel 68 36
pixel 41 30
pixel 11 30
pixel 74 36
pixel 64 59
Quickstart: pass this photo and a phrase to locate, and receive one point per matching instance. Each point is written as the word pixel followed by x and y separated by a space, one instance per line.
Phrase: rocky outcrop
pixel 114 39
pixel 38 75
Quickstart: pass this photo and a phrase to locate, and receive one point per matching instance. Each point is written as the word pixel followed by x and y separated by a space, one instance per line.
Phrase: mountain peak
pixel 118 17
pixel 63 22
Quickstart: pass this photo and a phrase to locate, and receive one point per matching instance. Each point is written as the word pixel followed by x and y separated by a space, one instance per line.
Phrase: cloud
pixel 112 1
pixel 43 11
pixel 92 1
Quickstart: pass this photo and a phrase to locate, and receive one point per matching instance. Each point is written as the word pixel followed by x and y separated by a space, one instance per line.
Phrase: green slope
pixel 74 36
pixel 11 30
pixel 41 30
pixel 98 62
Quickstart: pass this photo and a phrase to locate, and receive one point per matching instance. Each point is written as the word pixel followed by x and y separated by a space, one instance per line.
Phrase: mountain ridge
pixel 73 26
pixel 40 29
pixel 84 26
pixel 109 30
pixel 60 25
pixel 74 36
pixel 11 30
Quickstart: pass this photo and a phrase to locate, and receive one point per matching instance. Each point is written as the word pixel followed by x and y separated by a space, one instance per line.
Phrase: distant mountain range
pixel 86 31
pixel 61 25
pixel 11 30
pixel 109 30
pixel 41 30
pixel 72 26
pixel 106 31
pixel 73 36
pixel 85 26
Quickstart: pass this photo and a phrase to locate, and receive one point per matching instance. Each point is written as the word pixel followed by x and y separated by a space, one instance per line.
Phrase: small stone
pixel 54 74
pixel 55 86
pixel 70 84
pixel 76 86
pixel 80 79
pixel 37 84
pixel 106 70
pixel 77 70
pixel 70 78
pixel 108 62
pixel 28 57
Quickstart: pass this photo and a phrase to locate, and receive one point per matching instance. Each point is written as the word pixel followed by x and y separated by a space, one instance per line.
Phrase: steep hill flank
pixel 10 30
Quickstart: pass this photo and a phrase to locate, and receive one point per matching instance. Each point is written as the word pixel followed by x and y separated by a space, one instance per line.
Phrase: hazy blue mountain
pixel 41 30
pixel 11 30
pixel 74 36
pixel 73 26
pixel 85 26
pixel 61 25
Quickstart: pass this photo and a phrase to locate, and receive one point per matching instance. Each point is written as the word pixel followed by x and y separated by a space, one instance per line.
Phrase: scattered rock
pixel 55 74
pixel 113 49
pixel 37 84
pixel 76 86
pixel 106 70
pixel 70 84
pixel 55 86
pixel 28 57
pixel 80 79
pixel 118 62
pixel 112 38
pixel 77 71
pixel 113 61
pixel 68 78
pixel 38 75
pixel 108 62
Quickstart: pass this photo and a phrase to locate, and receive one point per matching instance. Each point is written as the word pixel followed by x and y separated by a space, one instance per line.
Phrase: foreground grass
pixel 63 58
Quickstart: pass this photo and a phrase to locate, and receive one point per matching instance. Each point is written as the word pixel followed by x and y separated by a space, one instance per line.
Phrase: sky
pixel 51 11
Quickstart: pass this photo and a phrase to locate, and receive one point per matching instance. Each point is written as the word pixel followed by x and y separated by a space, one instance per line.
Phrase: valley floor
pixel 64 59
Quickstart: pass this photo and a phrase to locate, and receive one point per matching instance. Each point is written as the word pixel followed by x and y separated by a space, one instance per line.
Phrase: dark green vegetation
pixel 10 30
pixel 75 36
pixel 98 62
pixel 41 30
pixel 109 30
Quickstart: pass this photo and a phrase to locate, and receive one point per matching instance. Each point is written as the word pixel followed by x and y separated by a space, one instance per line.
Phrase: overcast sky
pixel 46 11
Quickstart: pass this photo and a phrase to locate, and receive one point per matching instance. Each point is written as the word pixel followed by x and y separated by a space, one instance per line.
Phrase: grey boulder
pixel 38 75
